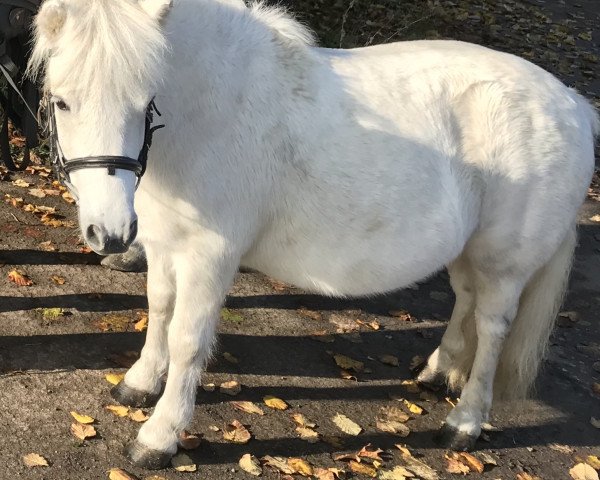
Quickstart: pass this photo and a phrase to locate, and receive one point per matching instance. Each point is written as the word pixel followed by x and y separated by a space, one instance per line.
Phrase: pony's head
pixel 101 63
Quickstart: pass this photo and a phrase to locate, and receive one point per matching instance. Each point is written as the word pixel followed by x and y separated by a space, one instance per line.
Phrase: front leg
pixel 142 384
pixel 202 283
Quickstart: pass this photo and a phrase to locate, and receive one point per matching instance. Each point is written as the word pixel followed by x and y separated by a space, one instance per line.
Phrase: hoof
pixel 453 439
pixel 145 457
pixel 132 397
pixel 431 381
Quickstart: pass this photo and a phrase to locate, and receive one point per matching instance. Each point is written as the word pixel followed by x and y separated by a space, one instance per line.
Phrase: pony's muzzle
pixel 103 243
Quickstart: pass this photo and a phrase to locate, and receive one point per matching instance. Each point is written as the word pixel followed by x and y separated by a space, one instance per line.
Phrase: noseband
pixel 63 167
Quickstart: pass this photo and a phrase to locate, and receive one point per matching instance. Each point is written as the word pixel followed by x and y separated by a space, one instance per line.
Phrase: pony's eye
pixel 61 105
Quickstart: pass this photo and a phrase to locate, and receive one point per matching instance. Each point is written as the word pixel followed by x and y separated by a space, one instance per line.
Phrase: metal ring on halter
pixel 63 167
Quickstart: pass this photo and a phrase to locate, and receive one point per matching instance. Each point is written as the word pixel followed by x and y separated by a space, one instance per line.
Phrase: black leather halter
pixel 63 167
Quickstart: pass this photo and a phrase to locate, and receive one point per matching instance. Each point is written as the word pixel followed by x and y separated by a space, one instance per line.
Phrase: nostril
pixel 94 236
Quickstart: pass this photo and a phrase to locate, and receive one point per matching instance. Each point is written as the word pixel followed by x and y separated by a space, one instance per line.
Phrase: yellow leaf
pixel 308 434
pixel 250 464
pixel 231 388
pixel 363 469
pixel 82 431
pixel 182 463
pixel 19 278
pixel 118 410
pixel 58 280
pixel 275 403
pixel 348 363
pixel 301 420
pixel 583 471
pixel 112 323
pixel 85 419
pixel 279 463
pixel 593 461
pixel 248 407
pixel 138 416
pixel 453 465
pixel 114 378
pixel 236 432
pixel 21 183
pixel 34 460
pixel 119 474
pixel 300 466
pixel 474 464
pixel 413 407
pixel 141 324
pixel 346 425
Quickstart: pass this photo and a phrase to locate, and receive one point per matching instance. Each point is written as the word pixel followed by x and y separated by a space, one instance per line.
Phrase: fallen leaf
pixel 85 419
pixel 183 463
pixel 230 358
pixel 390 426
pixel 228 315
pixel 472 463
pixel 595 218
pixel 52 313
pixel 58 280
pixel 595 422
pixel 279 463
pixel 82 431
pixel 346 425
pixel 209 387
pixel 37 192
pixel 389 360
pixel 419 468
pixel 411 386
pixel 189 441
pixel 112 323
pixel 301 420
pixel 372 454
pixel 561 448
pixel 327 473
pixel 19 278
pixel 34 460
pixel 308 434
pixel 138 416
pixel 235 432
pixel 593 461
pixel 348 363
pixel 248 407
pixel 298 465
pixel 114 378
pixel 214 428
pixel 413 407
pixel 343 323
pixel 583 471
pixel 527 476
pixel 363 469
pixel 346 375
pixel 250 464
pixel 398 473
pixel 275 403
pixel 21 183
pixel 454 465
pixel 118 410
pixel 141 324
pixel 403 315
pixel 487 459
pixel 47 246
pixel 310 314
pixel 120 474
pixel 67 197
pixel 231 388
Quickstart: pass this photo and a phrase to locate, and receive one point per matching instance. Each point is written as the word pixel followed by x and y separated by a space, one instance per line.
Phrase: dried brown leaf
pixel 248 407
pixel 120 474
pixel 231 388
pixel 19 278
pixel 278 463
pixel 363 469
pixel 250 464
pixel 82 431
pixel 34 460
pixel 189 441
pixel 235 432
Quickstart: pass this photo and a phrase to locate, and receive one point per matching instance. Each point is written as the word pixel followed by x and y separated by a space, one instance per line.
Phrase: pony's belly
pixel 340 271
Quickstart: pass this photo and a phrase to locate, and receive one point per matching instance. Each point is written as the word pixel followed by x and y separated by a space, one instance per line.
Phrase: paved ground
pixel 50 366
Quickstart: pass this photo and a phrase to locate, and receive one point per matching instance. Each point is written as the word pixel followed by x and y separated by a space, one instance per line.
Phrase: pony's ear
pixel 50 20
pixel 157 9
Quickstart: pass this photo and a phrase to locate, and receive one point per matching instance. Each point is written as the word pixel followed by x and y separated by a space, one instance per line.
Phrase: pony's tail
pixel 526 345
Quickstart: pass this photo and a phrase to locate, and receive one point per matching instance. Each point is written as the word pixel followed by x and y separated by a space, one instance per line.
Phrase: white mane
pixel 95 36
pixel 280 20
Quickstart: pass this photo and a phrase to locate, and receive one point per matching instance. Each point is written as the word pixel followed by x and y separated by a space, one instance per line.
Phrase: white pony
pixel 343 172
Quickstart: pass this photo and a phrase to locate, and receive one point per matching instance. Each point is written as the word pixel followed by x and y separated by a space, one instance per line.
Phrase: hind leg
pixel 453 342
pixel 496 307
